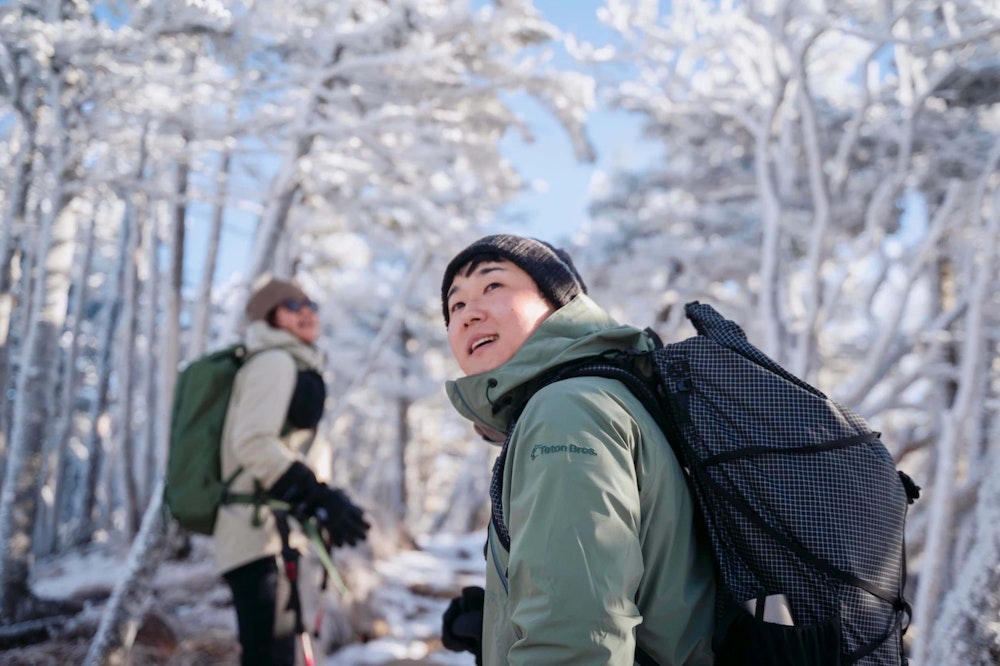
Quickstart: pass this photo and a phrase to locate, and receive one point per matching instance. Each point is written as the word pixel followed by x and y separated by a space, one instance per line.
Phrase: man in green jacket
pixel 592 555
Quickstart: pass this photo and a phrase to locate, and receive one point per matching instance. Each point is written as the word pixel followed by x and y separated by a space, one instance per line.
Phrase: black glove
pixel 343 521
pixel 462 623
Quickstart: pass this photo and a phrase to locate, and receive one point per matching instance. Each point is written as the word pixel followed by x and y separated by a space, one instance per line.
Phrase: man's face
pixel 492 312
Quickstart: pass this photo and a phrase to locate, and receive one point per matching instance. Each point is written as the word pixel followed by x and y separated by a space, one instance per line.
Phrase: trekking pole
pixel 312 529
pixel 318 619
pixel 330 572
pixel 307 651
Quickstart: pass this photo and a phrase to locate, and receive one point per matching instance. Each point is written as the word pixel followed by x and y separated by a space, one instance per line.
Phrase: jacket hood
pixel 579 329
pixel 261 335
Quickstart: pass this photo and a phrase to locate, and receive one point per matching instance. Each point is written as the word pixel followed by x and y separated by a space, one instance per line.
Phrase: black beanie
pixel 551 268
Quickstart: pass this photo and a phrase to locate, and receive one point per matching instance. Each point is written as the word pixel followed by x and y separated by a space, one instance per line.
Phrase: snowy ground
pixel 445 563
pixel 413 591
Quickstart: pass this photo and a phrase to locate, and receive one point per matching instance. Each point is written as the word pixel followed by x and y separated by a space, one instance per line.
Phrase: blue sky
pixel 560 209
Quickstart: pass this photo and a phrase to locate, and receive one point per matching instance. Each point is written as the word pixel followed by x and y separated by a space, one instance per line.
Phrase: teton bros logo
pixel 546 449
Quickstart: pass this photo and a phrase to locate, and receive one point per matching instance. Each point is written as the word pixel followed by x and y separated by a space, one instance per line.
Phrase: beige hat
pixel 270 295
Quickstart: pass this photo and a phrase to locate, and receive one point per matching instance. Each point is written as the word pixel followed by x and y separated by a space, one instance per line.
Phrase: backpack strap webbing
pixel 258 498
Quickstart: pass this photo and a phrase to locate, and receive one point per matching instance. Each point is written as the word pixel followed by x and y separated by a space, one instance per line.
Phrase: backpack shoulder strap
pixel 634 369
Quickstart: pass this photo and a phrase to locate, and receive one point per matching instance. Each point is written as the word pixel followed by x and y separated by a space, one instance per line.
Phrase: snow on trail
pixel 415 587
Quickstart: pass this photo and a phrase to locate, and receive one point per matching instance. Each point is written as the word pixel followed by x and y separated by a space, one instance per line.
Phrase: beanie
pixel 270 295
pixel 551 268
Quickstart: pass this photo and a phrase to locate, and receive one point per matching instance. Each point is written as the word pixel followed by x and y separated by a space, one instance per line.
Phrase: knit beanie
pixel 272 293
pixel 551 268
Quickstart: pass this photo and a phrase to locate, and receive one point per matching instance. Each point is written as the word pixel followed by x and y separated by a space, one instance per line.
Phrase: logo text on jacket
pixel 546 449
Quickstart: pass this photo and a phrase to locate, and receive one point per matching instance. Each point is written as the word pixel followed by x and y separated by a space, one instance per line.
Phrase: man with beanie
pixel 592 555
pixel 275 407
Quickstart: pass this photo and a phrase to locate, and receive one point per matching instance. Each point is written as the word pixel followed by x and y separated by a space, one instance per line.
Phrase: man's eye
pixel 491 286
pixel 456 306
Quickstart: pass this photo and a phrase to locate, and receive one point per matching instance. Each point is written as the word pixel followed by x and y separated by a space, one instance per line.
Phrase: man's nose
pixel 471 314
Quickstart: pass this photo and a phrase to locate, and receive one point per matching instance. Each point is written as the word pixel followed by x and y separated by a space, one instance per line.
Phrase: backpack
pixel 800 500
pixel 194 488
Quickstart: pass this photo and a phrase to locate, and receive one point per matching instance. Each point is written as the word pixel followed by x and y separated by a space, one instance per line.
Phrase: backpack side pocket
pixel 753 642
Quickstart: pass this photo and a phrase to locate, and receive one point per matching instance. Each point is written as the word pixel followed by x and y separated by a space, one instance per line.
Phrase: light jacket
pixel 252 440
pixel 603 555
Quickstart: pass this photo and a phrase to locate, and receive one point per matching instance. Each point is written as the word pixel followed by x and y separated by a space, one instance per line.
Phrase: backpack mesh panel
pixel 845 505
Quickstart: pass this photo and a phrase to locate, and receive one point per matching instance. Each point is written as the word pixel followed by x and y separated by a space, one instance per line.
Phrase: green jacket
pixel 603 554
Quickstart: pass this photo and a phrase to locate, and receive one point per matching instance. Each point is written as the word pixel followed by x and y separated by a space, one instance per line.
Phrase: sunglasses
pixel 295 306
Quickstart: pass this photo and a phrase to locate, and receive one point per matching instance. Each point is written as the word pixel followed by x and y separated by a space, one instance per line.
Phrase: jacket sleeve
pixel 263 392
pixel 575 562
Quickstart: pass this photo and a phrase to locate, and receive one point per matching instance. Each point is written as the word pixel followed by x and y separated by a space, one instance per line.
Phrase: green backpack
pixel 194 488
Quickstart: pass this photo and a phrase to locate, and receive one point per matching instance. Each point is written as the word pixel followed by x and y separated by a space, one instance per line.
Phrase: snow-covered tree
pixel 44 90
pixel 829 178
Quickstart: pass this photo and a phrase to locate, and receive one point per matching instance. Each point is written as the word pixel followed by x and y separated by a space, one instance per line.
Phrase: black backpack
pixel 802 503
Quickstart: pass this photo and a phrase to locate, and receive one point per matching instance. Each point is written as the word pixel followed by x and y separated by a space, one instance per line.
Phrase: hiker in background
pixel 592 554
pixel 276 404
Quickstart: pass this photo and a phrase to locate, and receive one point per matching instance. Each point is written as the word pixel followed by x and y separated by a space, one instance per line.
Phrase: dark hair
pixel 550 268
pixel 476 260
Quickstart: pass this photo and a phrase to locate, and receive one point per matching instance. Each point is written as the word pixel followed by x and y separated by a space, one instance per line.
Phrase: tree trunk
pixel 12 223
pixel 125 442
pixel 203 306
pixel 399 496
pixel 178 540
pixel 804 359
pixel 170 350
pixel 129 601
pixel 770 251
pixel 84 520
pixel 64 426
pixel 974 361
pixel 153 463
pixel 131 596
pixel 19 498
pixel 962 636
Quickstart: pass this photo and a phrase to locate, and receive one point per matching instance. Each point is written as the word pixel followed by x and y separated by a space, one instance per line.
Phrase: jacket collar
pixel 577 330
pixel 261 335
